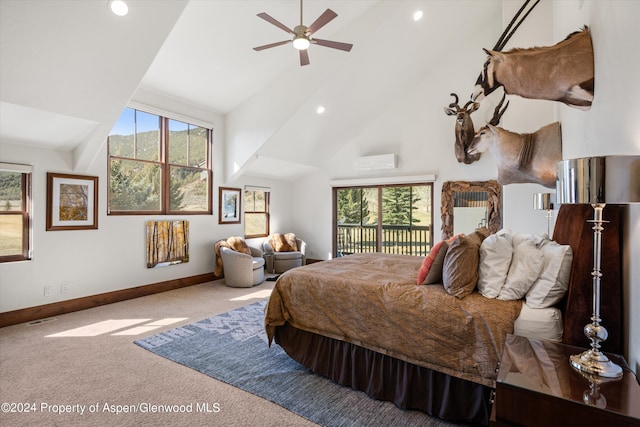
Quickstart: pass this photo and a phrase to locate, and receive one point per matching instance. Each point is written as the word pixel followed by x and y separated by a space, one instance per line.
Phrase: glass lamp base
pixel 595 363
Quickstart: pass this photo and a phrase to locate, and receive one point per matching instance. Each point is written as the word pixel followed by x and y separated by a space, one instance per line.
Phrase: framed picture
pixel 72 202
pixel 167 243
pixel 229 206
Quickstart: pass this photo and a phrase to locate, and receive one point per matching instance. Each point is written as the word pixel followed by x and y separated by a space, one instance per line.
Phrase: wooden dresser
pixel 536 386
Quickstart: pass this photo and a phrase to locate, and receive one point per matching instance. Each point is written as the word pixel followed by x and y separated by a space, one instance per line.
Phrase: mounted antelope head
pixel 527 157
pixel 563 72
pixel 465 130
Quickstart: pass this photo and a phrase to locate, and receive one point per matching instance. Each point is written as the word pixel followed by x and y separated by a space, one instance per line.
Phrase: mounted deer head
pixel 464 126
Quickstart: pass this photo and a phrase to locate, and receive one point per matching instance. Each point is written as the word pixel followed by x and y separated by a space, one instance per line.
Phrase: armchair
pixel 242 270
pixel 279 262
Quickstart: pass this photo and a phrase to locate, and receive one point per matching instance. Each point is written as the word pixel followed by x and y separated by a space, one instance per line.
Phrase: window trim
pixel 26 211
pixel 165 168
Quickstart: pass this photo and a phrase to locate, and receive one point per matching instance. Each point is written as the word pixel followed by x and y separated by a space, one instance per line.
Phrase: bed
pixel 362 321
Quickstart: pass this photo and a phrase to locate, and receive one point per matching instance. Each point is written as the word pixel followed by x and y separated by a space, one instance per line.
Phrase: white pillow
pixel 539 323
pixel 495 258
pixel 519 238
pixel 536 238
pixel 554 278
pixel 525 268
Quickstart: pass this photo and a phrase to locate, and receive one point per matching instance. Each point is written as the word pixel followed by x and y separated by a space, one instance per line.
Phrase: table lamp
pixel 598 181
pixel 543 201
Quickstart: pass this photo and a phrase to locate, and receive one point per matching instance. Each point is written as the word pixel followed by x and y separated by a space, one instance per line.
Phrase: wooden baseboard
pixel 57 308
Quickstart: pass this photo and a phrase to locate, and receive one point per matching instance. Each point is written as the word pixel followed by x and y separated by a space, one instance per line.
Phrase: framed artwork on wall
pixel 167 243
pixel 72 202
pixel 229 203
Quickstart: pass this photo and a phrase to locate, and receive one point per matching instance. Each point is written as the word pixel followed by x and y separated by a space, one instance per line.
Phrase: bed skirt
pixel 386 378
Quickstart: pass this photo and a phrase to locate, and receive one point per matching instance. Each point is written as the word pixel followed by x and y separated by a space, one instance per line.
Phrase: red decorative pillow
pixel 431 270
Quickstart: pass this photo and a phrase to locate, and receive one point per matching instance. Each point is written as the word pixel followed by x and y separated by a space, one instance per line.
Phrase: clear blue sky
pixel 145 122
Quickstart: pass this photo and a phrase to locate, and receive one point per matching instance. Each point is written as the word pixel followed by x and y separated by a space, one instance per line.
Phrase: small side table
pixel 536 386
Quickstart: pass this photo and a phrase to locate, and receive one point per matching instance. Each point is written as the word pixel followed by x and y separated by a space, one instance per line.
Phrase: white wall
pixel 112 257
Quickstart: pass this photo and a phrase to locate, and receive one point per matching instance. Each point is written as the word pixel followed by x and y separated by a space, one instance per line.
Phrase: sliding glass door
pixel 391 219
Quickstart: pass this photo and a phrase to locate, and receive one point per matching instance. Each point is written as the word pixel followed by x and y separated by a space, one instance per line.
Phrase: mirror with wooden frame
pixel 469 205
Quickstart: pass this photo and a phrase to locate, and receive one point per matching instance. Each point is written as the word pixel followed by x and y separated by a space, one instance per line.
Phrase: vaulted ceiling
pixel 68 68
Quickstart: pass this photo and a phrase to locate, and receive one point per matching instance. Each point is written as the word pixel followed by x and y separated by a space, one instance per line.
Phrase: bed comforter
pixel 372 300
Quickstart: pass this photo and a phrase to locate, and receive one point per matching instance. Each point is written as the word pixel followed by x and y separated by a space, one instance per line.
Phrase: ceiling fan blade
pixel 336 45
pixel 322 20
pixel 304 57
pixel 273 21
pixel 267 46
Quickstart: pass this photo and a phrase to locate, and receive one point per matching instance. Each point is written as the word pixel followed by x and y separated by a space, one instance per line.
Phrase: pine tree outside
pixel 404 225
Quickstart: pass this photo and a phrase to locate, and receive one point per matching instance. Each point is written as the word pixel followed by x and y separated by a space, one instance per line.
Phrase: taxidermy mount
pixel 521 158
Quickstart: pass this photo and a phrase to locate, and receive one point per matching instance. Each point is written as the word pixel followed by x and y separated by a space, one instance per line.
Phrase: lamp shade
pixel 542 201
pixel 606 179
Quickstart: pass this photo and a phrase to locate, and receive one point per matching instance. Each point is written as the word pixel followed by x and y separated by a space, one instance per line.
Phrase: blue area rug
pixel 232 347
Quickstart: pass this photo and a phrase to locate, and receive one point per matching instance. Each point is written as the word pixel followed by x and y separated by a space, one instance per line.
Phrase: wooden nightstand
pixel 536 386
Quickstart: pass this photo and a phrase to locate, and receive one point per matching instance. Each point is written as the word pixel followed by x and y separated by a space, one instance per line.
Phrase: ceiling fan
pixel 302 35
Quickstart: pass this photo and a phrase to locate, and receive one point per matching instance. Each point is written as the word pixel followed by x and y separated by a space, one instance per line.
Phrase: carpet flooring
pixel 232 347
pixel 88 357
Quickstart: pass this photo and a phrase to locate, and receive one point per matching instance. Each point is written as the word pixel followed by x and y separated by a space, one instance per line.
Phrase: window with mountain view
pixel 158 165
pixel 15 212
pixel 387 218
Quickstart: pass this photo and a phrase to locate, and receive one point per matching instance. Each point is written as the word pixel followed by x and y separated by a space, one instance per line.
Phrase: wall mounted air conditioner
pixel 379 162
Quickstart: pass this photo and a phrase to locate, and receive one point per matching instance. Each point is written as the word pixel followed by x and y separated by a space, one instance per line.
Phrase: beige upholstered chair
pixel 279 262
pixel 242 270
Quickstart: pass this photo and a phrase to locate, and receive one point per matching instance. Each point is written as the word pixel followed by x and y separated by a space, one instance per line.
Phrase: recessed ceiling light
pixel 119 7
pixel 320 109
pixel 417 15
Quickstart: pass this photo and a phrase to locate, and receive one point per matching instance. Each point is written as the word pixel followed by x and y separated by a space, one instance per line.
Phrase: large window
pixel 15 212
pixel 391 219
pixel 256 212
pixel 158 166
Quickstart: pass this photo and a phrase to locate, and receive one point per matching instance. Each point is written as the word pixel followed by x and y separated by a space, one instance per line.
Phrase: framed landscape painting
pixel 72 202
pixel 229 206
pixel 167 243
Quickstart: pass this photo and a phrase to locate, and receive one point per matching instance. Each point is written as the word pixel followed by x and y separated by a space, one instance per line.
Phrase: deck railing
pixel 396 239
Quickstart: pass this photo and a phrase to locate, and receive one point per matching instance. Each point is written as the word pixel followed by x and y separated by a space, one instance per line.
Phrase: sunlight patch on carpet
pixel 112 325
pixel 265 293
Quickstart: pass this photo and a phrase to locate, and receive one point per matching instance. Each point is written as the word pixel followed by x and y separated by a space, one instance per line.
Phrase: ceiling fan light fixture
pixel 118 7
pixel 301 43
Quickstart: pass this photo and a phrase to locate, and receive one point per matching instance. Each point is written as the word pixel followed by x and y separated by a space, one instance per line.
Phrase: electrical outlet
pixel 64 288
pixel 48 291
